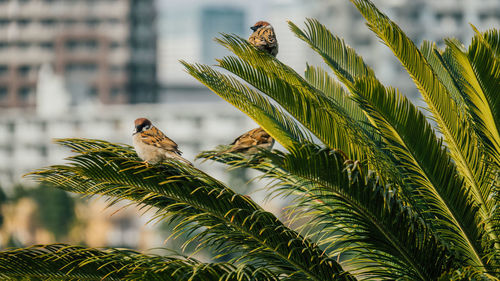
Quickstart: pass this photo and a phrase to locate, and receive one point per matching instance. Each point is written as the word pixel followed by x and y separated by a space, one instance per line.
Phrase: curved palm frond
pixel 66 262
pixel 480 73
pixel 350 213
pixel 492 36
pixel 228 222
pixel 452 123
pixel 435 59
pixel 276 122
pixel 429 168
pixel 341 58
pixel 319 114
pixel 480 170
pixel 320 79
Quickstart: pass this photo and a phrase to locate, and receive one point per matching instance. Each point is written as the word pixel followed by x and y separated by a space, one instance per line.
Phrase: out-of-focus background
pixel 88 68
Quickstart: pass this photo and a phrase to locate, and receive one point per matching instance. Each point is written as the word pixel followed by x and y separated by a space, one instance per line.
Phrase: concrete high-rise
pixel 104 50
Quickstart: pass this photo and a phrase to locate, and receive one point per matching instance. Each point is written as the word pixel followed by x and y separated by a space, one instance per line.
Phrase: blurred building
pixel 104 50
pixel 127 51
pixel 26 137
pixel 429 20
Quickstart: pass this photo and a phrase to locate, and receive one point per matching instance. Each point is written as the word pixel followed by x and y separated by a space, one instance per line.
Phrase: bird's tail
pixel 229 150
pixel 178 157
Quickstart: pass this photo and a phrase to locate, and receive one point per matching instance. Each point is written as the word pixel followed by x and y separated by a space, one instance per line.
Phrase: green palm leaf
pixel 492 36
pixel 261 110
pixel 320 79
pixel 481 81
pixel 351 213
pixel 342 59
pixel 451 66
pixel 452 123
pixel 229 222
pixel 319 114
pixel 435 58
pixel 429 169
pixel 66 262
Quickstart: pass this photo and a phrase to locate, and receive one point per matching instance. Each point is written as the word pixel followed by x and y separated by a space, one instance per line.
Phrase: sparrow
pixel 152 146
pixel 250 141
pixel 263 38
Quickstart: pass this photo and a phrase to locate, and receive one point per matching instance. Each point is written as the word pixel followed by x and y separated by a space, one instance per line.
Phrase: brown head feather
pixel 142 121
pixel 259 24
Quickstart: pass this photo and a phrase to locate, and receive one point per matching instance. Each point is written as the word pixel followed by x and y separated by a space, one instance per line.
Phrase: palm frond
pixel 341 58
pixel 429 168
pixel 452 123
pixel 481 79
pixel 350 213
pixel 477 173
pixel 320 115
pixel 67 262
pixel 273 119
pixel 225 221
pixel 435 59
pixel 492 36
pixel 320 79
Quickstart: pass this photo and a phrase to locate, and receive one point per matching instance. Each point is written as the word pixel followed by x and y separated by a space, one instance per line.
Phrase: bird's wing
pixel 262 137
pixel 265 40
pixel 245 141
pixel 270 37
pixel 246 137
pixel 155 137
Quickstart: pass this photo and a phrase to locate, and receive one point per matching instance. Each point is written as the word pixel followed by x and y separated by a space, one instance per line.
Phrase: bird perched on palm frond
pixel 152 146
pixel 263 38
pixel 250 141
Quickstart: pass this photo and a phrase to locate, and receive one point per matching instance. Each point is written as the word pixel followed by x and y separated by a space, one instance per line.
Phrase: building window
pixel 73 68
pixel 3 70
pixel 49 46
pixel 24 70
pixel 4 21
pixel 113 21
pixel 3 93
pixel 219 19
pixel 23 22
pixel 69 22
pixel 48 22
pixel 74 45
pixel 116 69
pixel 114 45
pixel 93 22
pixel 23 45
pixel 93 93
pixel 25 93
pixel 115 91
pixel 43 151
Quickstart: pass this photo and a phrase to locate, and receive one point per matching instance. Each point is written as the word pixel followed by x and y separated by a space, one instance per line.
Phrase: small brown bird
pixel 250 141
pixel 263 38
pixel 152 145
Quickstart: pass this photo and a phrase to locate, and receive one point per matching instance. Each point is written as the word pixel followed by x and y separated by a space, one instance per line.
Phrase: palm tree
pixel 381 193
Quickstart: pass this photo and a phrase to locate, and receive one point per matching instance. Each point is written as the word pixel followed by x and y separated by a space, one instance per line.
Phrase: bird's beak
pixel 254 28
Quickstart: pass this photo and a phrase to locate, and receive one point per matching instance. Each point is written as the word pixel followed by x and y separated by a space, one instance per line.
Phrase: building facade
pixel 105 50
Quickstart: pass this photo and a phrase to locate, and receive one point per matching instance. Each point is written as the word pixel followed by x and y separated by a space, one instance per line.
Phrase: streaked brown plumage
pixel 250 141
pixel 152 145
pixel 264 38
